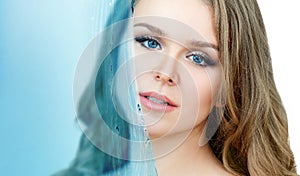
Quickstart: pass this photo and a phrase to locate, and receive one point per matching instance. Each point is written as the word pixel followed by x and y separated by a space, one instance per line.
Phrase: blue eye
pixel 197 59
pixel 200 59
pixel 151 44
pixel 148 42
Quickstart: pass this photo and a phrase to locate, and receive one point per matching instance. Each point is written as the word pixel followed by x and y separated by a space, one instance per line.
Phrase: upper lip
pixel 159 97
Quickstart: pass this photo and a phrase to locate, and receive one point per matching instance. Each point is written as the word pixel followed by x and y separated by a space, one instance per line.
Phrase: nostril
pixel 165 79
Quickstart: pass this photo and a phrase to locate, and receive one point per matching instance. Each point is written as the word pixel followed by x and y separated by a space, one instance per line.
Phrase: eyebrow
pixel 151 28
pixel 194 43
pixel 201 44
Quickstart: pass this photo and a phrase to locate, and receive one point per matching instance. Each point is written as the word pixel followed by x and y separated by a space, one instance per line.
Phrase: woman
pixel 181 87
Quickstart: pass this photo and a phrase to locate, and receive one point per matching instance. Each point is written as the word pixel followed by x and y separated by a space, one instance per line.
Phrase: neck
pixel 179 155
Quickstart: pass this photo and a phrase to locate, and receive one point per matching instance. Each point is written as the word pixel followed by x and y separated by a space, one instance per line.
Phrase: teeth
pixel 156 100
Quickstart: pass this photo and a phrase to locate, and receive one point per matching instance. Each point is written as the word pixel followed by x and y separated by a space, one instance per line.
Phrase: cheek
pixel 208 82
pixel 144 82
pixel 198 101
pixel 204 87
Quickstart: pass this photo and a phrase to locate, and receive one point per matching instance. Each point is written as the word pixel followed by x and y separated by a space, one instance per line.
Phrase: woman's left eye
pixel 200 59
pixel 148 43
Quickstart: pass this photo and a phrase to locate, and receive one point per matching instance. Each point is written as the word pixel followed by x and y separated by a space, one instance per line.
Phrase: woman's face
pixel 177 64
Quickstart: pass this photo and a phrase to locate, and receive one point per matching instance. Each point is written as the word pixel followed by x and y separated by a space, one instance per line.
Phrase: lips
pixel 157 102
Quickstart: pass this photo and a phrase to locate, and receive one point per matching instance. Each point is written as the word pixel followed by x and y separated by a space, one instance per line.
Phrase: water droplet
pixel 146 133
pixel 139 107
pixel 147 142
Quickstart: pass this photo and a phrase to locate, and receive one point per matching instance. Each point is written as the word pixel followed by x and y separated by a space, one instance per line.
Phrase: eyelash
pixel 200 56
pixel 144 39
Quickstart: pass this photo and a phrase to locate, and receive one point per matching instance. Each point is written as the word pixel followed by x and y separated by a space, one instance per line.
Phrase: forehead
pixel 195 14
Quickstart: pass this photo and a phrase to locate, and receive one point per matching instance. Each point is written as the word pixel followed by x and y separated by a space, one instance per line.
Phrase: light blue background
pixel 40 44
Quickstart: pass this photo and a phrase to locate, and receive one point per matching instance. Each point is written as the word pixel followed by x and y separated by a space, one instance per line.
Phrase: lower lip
pixel 156 106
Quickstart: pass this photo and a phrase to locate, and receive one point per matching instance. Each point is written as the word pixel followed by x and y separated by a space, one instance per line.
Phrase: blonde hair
pixel 253 136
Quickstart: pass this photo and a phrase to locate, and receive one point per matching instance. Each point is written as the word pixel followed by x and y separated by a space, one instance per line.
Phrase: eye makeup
pixel 200 59
pixel 194 56
pixel 149 42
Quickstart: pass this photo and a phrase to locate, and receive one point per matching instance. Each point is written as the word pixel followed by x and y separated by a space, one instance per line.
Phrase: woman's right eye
pixel 148 42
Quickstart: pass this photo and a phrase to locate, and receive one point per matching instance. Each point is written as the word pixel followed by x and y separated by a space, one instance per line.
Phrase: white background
pixel 283 29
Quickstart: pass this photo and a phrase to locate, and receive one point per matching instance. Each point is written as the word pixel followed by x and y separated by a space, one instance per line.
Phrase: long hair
pixel 253 136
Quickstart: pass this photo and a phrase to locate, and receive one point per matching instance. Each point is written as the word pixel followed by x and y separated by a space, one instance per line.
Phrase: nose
pixel 158 76
pixel 167 71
